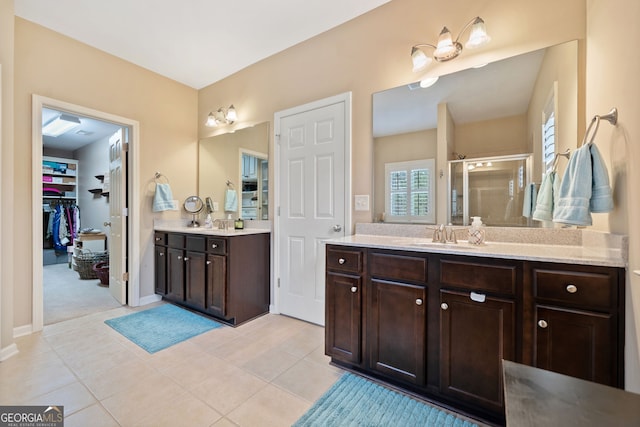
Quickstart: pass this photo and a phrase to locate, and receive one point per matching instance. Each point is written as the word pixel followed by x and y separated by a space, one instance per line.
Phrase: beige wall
pixel 51 65
pixel 6 176
pixel 399 148
pixel 612 81
pixel 497 137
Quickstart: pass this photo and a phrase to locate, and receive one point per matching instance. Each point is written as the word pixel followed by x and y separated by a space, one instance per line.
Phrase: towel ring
pixel 158 176
pixel 611 117
pixel 557 156
pixel 229 184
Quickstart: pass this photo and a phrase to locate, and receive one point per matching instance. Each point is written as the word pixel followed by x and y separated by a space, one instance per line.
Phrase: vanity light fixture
pixel 222 117
pixel 61 124
pixel 447 49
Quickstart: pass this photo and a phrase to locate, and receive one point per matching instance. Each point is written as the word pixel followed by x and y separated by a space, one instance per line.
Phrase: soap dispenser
pixel 476 232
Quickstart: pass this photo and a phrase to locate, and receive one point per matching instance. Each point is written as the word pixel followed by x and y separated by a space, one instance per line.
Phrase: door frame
pixel 133 218
pixel 278 116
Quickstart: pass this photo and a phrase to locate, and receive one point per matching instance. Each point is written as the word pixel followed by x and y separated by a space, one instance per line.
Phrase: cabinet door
pixel 160 270
pixel 343 311
pixel 474 338
pixel 175 274
pixel 216 297
pixel 195 279
pixel 576 343
pixel 396 330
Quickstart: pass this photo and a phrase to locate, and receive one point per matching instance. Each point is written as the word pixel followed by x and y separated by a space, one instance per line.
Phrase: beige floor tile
pixel 94 416
pixel 270 407
pixel 308 380
pixel 176 354
pixel 187 410
pixel 195 370
pixel 128 374
pixel 310 338
pixel 151 395
pixel 36 380
pixel 228 389
pixel 270 364
pixel 73 397
pixel 224 422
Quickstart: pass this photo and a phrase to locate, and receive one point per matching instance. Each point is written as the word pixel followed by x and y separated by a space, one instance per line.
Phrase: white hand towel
pixel 230 200
pixel 575 191
pixel 163 199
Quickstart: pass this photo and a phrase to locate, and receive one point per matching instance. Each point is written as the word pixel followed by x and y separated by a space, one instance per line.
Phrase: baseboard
pixel 273 309
pixel 21 331
pixel 8 351
pixel 150 299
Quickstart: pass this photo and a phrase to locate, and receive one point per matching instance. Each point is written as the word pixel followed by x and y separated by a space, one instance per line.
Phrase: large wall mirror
pixel 491 111
pixel 236 161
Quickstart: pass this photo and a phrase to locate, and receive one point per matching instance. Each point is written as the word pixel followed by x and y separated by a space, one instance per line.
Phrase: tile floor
pixel 267 372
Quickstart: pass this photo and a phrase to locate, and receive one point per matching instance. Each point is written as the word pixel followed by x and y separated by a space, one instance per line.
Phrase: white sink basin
pixel 460 245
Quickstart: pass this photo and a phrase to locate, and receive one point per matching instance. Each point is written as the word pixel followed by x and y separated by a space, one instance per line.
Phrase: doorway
pixel 95 189
pixel 313 200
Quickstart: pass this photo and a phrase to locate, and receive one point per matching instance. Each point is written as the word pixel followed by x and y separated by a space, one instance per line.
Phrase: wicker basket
pixel 85 262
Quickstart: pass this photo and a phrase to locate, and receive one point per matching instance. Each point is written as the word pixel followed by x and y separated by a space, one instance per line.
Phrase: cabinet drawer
pixel 176 240
pixel 160 238
pixel 594 290
pixel 216 245
pixel 398 267
pixel 195 243
pixel 497 278
pixel 344 260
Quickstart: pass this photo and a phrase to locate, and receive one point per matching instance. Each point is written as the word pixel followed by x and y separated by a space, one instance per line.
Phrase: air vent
pixel 414 85
pixel 84 133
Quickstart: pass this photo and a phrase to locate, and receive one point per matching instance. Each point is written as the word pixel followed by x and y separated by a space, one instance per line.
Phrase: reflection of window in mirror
pixel 409 191
pixel 549 133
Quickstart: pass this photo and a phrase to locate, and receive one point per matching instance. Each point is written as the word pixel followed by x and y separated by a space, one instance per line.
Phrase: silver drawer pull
pixel 161 253
pixel 341 261
pixel 179 258
pixel 186 259
pixel 158 239
pixel 354 289
pixel 418 301
pixel 214 246
pixel 477 297
pixel 571 288
pixel 208 262
pixel 542 323
pixel 444 306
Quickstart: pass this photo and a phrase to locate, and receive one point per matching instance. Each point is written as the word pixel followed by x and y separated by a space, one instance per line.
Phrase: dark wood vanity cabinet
pixel 440 324
pixel 579 321
pixel 226 277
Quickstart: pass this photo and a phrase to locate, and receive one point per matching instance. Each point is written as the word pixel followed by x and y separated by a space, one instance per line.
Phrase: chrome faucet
pixel 222 223
pixel 442 234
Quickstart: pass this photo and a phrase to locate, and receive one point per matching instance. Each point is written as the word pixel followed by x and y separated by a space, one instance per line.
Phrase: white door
pixel 117 216
pixel 313 190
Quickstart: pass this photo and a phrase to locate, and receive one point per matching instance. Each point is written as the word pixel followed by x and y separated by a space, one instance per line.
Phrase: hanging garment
pixel 57 218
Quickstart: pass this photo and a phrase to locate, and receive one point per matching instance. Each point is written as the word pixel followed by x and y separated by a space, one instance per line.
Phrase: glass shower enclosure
pixel 490 187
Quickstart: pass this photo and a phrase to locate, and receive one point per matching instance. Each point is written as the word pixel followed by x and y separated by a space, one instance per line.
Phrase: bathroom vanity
pixel 220 273
pixel 438 319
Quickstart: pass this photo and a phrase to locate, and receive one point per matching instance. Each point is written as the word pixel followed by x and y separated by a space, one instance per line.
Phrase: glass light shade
pixel 445 46
pixel 478 36
pixel 211 121
pixel 231 115
pixel 428 82
pixel 419 59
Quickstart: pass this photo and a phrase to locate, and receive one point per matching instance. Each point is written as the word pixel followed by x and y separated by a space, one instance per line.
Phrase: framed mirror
pixel 234 162
pixel 495 110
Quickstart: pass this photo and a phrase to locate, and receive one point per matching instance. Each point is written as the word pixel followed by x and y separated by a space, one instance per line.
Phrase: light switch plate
pixel 362 202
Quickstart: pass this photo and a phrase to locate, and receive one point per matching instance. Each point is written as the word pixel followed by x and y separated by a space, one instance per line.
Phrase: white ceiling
pixel 196 42
pixel 89 131
pixel 500 89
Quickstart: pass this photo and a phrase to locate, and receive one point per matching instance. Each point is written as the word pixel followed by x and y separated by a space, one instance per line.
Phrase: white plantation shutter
pixel 409 191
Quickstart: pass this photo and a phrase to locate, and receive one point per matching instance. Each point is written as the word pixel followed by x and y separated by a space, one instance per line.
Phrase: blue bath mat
pixel 161 327
pixel 354 401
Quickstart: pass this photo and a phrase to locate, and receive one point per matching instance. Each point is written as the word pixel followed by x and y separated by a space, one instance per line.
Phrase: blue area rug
pixel 161 327
pixel 355 401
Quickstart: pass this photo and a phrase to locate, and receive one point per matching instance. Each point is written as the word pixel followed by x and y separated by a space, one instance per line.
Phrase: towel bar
pixel 611 117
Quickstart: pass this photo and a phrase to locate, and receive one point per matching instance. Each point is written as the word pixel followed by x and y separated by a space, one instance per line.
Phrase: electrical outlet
pixel 215 206
pixel 362 202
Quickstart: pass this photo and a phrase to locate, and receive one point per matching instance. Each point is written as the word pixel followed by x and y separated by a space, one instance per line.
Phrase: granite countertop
pixel 210 231
pixel 535 397
pixel 570 254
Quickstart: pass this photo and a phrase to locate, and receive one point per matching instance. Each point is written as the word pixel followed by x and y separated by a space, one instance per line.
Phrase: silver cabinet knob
pixel 419 301
pixel 161 253
pixel 542 323
pixel 158 239
pixel 208 262
pixel 186 259
pixel 341 261
pixel 354 289
pixel 444 306
pixel 214 246
pixel 179 258
pixel 571 288
pixel 337 227
pixel 107 223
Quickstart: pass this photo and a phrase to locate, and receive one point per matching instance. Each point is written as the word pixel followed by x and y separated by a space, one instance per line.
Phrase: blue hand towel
pixel 575 191
pixel 163 199
pixel 601 194
pixel 529 203
pixel 230 200
pixel 546 197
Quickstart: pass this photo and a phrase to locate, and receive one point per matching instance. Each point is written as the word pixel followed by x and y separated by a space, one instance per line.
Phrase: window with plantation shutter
pixel 549 133
pixel 409 191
